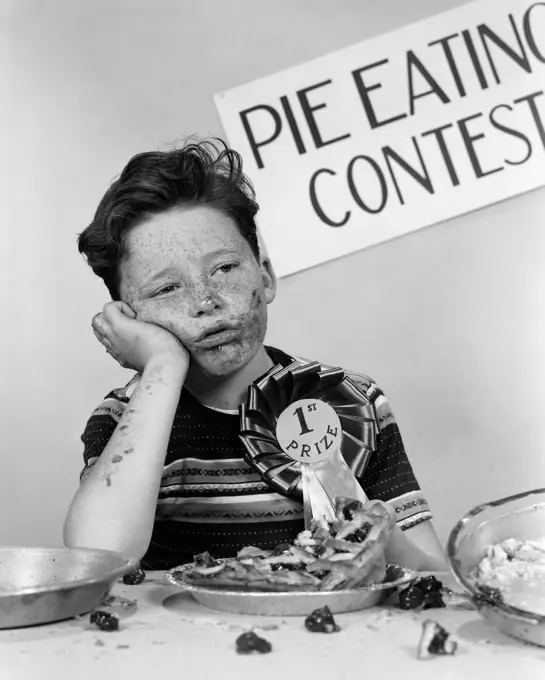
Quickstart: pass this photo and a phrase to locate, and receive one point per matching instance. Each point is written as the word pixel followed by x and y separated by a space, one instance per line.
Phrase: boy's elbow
pixel 68 537
pixel 72 538
pixel 433 563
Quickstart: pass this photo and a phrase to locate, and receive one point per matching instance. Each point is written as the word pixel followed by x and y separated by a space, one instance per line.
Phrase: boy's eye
pixel 164 290
pixel 226 268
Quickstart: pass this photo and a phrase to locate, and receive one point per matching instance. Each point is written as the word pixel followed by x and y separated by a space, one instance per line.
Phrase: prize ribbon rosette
pixel 305 429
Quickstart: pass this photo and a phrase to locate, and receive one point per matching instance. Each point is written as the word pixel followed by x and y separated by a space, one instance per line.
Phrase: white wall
pixel 452 319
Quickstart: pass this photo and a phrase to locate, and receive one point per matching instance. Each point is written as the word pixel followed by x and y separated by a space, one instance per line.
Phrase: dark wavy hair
pixel 202 172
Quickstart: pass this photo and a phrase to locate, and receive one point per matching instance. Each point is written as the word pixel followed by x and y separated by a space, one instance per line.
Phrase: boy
pixel 174 239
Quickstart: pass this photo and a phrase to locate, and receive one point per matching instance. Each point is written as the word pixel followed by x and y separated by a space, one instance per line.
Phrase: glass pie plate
pixel 292 603
pixel 42 585
pixel 521 517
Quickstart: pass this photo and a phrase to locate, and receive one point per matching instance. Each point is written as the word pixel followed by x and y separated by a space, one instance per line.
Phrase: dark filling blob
pixel 288 567
pixel 350 508
pixel 104 620
pixel 433 600
pixel 281 549
pixel 359 535
pixel 488 595
pixel 411 598
pixel 429 584
pixel 205 559
pixel 437 644
pixel 425 593
pixel 250 642
pixel 133 578
pixel 321 621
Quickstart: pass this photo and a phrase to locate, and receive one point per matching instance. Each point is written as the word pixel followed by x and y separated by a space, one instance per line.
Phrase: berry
pixel 429 584
pixel 321 621
pixel 359 535
pixel 488 595
pixel 350 508
pixel 433 600
pixel 288 567
pixel 411 598
pixel 133 578
pixel 205 559
pixel 250 642
pixel 281 549
pixel 104 620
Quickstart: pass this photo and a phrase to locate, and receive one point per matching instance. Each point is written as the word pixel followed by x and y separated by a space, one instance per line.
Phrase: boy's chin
pixel 221 362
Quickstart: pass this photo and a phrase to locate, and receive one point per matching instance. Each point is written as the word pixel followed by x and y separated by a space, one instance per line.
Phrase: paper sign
pixel 396 133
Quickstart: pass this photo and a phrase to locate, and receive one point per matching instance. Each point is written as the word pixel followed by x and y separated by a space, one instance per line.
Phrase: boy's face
pixel 190 271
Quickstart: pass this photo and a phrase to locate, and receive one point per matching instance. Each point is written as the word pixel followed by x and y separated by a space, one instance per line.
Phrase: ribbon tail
pixel 337 479
pixel 305 480
pixel 317 503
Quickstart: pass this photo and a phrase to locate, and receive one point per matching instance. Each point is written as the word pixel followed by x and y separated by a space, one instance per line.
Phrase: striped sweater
pixel 211 499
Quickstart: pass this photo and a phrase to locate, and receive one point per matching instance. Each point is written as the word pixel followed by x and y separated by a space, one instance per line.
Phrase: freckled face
pixel 189 270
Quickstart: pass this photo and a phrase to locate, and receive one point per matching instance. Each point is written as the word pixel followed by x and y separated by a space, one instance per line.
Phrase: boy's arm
pixel 423 535
pixel 114 508
pixel 417 548
pixel 387 475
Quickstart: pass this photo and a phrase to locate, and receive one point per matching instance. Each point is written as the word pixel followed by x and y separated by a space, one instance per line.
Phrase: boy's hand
pixel 133 343
pixel 381 509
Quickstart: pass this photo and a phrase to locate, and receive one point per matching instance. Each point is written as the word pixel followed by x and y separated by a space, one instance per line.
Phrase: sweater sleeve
pixel 386 474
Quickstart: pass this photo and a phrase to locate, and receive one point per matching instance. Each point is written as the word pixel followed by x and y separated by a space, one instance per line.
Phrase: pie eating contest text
pixel 454 66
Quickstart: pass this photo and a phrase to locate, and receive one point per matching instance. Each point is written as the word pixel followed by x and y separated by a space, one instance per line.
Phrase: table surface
pixel 166 634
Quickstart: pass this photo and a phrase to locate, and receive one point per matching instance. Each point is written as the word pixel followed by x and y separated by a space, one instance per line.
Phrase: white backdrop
pixel 448 320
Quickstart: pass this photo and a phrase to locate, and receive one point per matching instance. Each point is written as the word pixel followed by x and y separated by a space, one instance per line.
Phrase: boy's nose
pixel 206 304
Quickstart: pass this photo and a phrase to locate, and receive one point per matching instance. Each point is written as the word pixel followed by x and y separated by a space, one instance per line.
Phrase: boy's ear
pixel 269 279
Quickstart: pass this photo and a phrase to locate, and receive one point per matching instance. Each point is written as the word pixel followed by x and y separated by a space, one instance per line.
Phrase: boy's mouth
pixel 215 336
